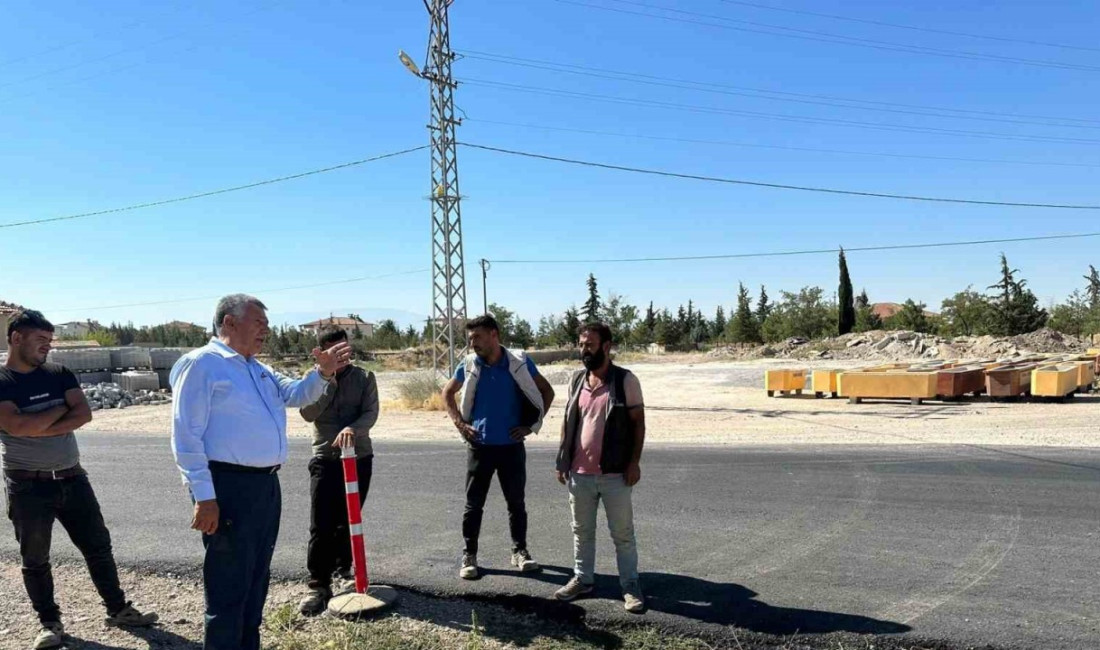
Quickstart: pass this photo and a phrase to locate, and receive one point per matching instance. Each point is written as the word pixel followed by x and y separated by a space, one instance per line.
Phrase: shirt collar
pixel 502 363
pixel 224 350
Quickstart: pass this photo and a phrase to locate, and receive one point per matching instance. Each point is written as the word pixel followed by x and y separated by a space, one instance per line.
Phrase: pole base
pixel 378 599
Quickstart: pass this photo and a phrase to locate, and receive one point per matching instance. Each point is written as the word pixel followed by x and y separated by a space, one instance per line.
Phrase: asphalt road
pixel 961 543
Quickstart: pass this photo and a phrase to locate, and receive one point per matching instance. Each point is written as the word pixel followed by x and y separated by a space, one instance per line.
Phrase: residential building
pixel 347 324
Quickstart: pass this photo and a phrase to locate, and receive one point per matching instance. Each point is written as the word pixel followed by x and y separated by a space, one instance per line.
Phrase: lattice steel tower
pixel 448 265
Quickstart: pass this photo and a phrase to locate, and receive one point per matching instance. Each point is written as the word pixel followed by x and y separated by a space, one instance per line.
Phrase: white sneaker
pixel 522 561
pixel 51 636
pixel 633 600
pixel 469 569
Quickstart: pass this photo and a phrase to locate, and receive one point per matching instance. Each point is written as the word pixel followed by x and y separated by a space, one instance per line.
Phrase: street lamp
pixel 409 64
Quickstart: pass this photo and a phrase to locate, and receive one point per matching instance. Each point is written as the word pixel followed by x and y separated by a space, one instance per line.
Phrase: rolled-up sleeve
pixel 192 388
pixel 297 393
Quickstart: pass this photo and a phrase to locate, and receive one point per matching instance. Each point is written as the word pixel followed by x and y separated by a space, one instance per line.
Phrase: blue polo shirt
pixel 497 405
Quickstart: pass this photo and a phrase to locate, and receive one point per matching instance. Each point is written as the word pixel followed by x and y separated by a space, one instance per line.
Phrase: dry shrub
pixel 421 391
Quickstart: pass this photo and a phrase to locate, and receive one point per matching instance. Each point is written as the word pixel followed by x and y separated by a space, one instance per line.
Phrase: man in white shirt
pixel 229 441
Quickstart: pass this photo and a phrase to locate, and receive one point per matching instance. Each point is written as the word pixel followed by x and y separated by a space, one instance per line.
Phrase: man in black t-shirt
pixel 41 404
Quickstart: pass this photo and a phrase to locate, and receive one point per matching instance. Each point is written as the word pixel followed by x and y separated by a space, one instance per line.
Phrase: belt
pixel 44 475
pixel 242 469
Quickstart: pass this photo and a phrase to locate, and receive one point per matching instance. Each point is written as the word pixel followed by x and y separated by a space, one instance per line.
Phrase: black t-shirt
pixel 32 392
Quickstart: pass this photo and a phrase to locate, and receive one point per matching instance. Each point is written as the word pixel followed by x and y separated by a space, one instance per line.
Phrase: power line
pixel 191 197
pixel 825 37
pixel 728 143
pixel 694 108
pixel 171 36
pixel 818 251
pixel 263 292
pixel 929 30
pixel 780 186
pixel 784 96
pixel 69 44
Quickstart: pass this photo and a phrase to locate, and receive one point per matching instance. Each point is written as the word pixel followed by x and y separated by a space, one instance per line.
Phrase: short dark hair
pixel 330 335
pixel 29 320
pixel 486 321
pixel 600 329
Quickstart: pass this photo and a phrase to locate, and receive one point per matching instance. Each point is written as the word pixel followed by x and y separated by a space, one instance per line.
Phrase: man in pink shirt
pixel 599 459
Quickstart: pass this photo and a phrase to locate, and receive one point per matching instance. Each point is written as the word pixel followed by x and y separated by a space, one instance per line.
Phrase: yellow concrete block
pixel 825 381
pixel 1086 373
pixel 888 385
pixel 1054 381
pixel 784 380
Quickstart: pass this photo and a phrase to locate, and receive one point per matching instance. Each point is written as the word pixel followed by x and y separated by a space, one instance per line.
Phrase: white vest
pixel 517 364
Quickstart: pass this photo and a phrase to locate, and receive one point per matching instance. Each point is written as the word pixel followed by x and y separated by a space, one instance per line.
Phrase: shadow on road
pixel 154 637
pixel 703 601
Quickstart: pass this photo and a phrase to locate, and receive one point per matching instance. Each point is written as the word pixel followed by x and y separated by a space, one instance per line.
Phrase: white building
pixel 349 325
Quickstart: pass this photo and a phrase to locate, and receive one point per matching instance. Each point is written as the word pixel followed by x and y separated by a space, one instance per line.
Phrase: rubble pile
pixel 904 345
pixel 112 396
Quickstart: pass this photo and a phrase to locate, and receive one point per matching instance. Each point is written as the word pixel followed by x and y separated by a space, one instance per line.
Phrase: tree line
pixel 1007 307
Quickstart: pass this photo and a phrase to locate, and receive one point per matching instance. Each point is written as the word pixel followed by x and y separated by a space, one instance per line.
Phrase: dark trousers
pixel 237 568
pixel 33 505
pixel 329 541
pixel 509 463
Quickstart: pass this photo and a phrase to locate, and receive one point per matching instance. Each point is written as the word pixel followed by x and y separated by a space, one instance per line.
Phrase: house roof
pixel 182 325
pixel 337 321
pixel 885 310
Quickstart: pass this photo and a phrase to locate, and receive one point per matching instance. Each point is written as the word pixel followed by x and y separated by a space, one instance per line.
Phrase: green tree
pixel 847 311
pixel 720 323
pixel 523 337
pixel 967 313
pixel 1073 316
pixel 592 306
pixel 744 328
pixel 1016 309
pixel 549 332
pixel 1092 290
pixel 506 320
pixel 911 317
pixel 620 317
pixel 763 307
pixel 866 318
pixel 670 330
pixel 805 315
pixel 570 328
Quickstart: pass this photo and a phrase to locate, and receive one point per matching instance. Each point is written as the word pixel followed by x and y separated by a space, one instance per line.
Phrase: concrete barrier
pixel 125 358
pixel 134 381
pixel 541 357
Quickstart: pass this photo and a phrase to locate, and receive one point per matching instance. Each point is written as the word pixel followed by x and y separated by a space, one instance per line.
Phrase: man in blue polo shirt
pixel 496 399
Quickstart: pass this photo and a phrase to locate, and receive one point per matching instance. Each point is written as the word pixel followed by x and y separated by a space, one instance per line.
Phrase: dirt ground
pixel 692 401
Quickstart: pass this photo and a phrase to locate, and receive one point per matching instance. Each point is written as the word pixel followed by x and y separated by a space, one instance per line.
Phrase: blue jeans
pixel 585 494
pixel 33 506
pixel 237 568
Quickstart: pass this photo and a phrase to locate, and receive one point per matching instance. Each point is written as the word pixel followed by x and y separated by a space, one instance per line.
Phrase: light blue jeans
pixel 585 493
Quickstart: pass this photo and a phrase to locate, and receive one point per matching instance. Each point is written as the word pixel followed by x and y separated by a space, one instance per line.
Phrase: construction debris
pixel 904 345
pixel 113 396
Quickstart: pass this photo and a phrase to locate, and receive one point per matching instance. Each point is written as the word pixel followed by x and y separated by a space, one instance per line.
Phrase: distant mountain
pixel 374 315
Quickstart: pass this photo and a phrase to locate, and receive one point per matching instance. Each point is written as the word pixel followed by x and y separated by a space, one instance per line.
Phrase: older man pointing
pixel 229 440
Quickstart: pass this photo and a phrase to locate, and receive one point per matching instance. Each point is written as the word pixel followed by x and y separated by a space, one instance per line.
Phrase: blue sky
pixel 124 102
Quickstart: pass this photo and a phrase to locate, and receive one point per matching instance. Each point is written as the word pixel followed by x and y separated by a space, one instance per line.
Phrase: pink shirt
pixel 593 407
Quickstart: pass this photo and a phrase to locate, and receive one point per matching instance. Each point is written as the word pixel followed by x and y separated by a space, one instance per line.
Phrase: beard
pixel 593 360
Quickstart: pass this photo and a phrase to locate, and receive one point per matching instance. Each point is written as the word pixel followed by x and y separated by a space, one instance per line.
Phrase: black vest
pixel 618 436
